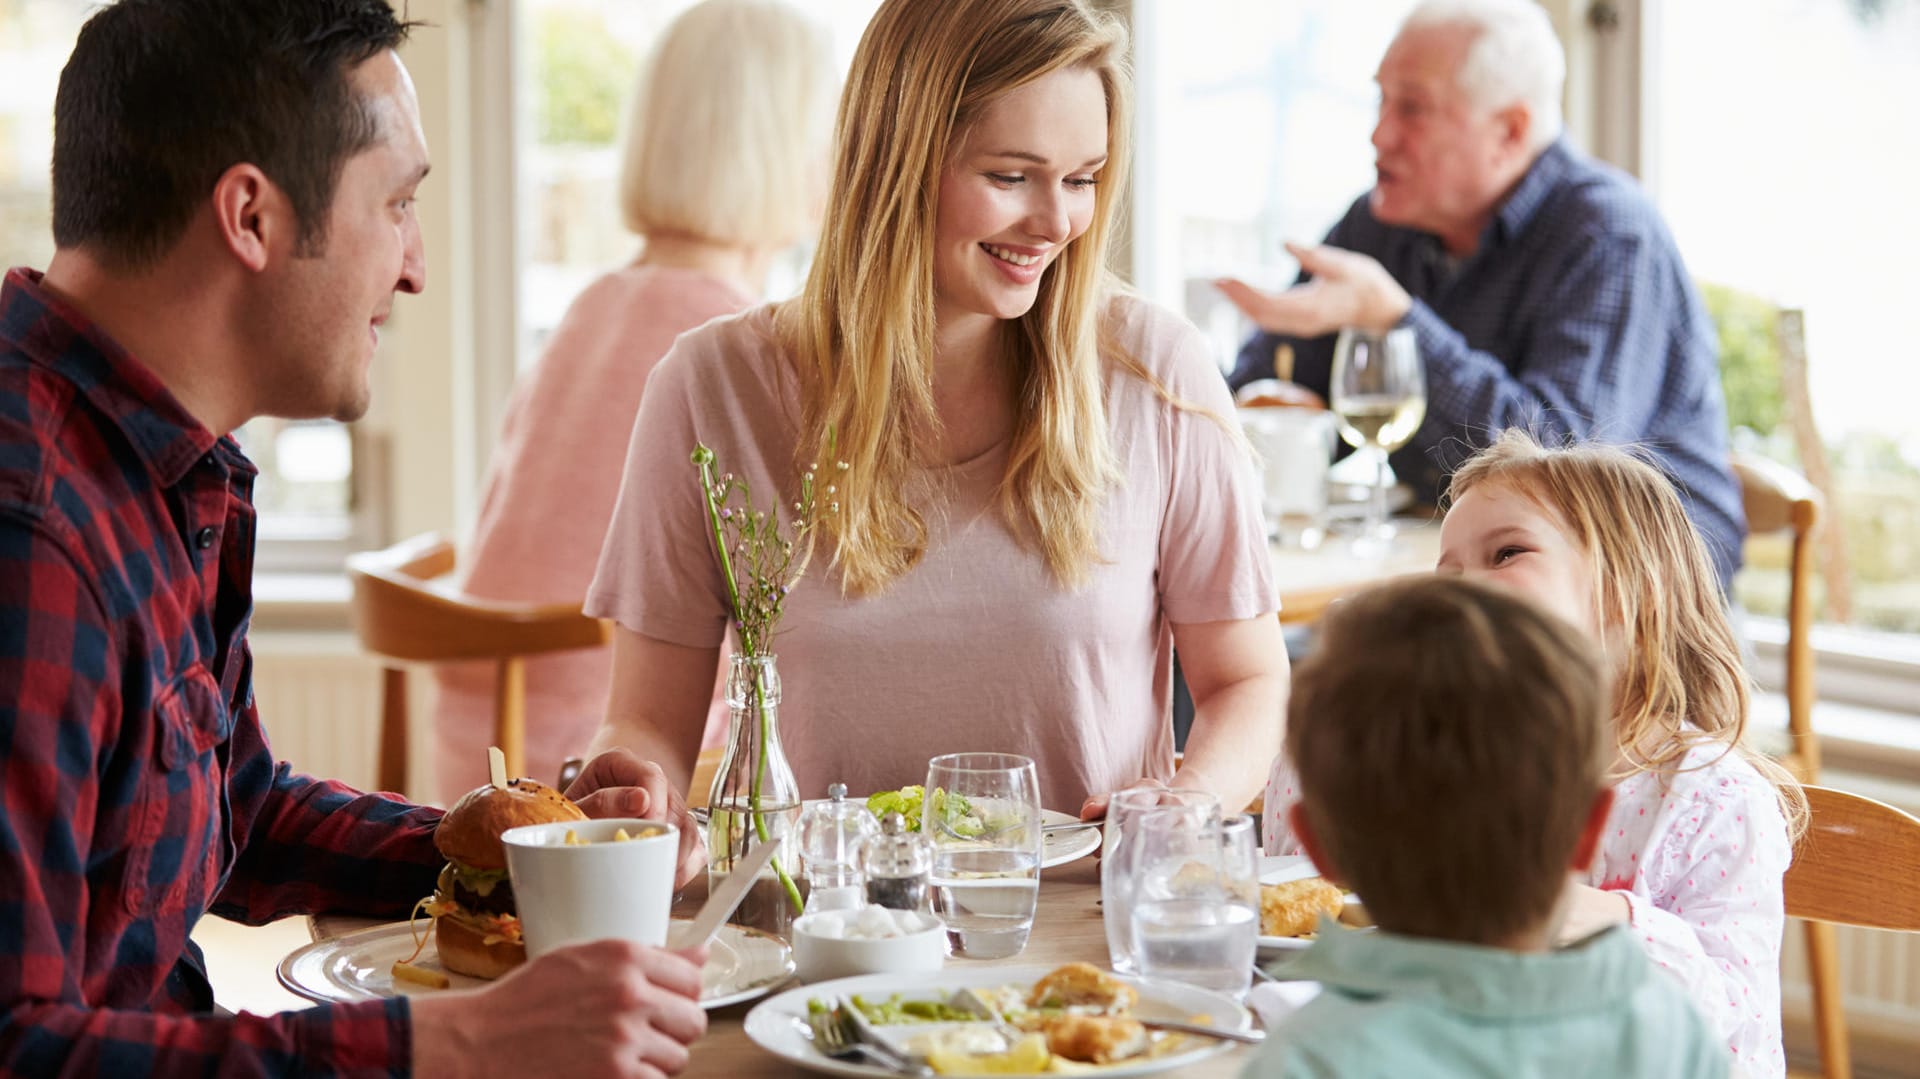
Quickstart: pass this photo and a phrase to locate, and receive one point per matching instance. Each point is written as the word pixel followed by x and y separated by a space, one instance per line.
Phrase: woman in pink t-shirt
pixel 1043 492
pixel 724 166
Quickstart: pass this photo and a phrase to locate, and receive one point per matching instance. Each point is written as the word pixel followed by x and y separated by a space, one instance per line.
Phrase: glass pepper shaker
pixel 831 835
pixel 898 864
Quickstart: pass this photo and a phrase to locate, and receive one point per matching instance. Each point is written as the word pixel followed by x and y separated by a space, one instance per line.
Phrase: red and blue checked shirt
pixel 137 790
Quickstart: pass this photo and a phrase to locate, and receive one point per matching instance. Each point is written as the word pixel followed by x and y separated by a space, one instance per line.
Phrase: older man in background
pixel 1543 288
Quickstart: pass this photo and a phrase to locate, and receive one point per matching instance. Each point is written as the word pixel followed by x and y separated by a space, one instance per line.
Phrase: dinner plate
pixel 1056 848
pixel 742 964
pixel 1276 869
pixel 771 1024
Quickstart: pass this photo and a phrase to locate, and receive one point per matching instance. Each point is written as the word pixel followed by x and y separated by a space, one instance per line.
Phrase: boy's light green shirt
pixel 1404 1006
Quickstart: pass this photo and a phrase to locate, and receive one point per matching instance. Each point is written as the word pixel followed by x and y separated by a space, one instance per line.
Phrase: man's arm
pixel 317 846
pixel 60 718
pixel 1595 364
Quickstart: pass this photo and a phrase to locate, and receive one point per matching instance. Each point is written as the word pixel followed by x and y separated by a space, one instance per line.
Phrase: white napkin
pixel 1275 1001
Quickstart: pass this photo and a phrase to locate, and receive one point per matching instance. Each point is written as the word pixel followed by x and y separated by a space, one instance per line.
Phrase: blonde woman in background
pixel 1040 500
pixel 723 167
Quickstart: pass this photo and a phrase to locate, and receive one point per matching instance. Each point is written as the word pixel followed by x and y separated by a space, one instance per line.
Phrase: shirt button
pixel 203 538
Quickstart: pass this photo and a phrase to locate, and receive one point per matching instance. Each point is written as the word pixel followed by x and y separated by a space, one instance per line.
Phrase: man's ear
pixel 1589 845
pixel 1516 127
pixel 252 215
pixel 1310 843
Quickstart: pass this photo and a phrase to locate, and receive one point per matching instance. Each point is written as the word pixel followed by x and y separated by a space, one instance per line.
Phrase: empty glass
pixel 982 814
pixel 1124 809
pixel 1195 902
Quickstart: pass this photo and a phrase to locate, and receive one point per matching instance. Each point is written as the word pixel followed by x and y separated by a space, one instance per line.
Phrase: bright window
pixel 581 59
pixel 1780 167
pixel 1257 118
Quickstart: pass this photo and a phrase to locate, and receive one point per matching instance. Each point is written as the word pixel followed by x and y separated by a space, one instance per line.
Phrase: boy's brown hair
pixel 1450 740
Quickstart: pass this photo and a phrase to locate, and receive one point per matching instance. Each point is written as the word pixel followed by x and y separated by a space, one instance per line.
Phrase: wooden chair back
pixel 1857 864
pixel 404 611
pixel 1778 499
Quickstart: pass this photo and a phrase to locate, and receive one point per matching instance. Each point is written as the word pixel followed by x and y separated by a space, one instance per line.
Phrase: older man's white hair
pixel 1515 57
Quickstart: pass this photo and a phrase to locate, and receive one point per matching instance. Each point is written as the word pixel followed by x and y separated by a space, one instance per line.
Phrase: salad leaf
pixel 897 1009
pixel 905 801
pixel 955 812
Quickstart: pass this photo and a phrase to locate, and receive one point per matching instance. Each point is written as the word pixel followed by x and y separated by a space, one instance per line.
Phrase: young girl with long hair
pixel 1701 828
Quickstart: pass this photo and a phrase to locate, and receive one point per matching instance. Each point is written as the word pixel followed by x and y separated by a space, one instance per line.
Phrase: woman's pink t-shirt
pixel 977 648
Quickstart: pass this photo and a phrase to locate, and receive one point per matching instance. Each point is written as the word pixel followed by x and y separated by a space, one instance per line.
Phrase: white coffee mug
pixel 596 888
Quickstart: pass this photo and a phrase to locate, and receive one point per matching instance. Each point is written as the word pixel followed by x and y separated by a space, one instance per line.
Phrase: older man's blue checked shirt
pixel 1574 317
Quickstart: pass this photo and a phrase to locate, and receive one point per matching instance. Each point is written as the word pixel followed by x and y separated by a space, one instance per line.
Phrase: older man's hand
pixel 1347 289
pixel 617 783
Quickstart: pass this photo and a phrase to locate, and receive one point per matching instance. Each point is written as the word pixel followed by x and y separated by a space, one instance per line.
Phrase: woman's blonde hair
pixel 1680 680
pixel 862 331
pixel 728 124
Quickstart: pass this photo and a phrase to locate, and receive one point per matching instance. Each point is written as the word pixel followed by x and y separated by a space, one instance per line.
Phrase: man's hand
pixel 608 1007
pixel 617 783
pixel 1347 289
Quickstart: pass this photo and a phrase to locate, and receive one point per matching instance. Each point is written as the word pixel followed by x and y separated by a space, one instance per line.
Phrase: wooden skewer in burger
pixel 476 927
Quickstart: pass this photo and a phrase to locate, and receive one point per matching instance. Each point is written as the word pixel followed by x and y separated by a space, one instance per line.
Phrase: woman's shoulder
pixel 1162 342
pixel 727 354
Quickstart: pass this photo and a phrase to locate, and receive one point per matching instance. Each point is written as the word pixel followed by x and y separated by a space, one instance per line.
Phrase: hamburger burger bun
pixel 464 950
pixel 470 832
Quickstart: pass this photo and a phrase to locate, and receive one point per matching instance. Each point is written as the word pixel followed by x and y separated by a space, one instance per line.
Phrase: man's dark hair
pixel 161 97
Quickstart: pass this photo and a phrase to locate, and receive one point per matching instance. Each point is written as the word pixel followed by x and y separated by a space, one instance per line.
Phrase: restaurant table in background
pixel 1311 579
pixel 1067 927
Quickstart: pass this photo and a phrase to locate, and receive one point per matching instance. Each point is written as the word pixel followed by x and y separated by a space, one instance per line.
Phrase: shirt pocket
pixel 174 862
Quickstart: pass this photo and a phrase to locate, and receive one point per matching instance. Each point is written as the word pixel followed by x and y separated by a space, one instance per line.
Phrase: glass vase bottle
pixel 754 799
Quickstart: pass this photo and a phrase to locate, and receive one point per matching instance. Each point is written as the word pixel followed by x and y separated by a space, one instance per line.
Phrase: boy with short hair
pixel 1452 745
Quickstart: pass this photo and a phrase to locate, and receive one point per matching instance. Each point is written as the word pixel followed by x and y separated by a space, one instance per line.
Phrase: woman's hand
pixel 617 783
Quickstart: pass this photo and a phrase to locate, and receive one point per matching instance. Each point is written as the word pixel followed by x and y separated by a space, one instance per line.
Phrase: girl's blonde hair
pixel 727 127
pixel 862 330
pixel 1680 680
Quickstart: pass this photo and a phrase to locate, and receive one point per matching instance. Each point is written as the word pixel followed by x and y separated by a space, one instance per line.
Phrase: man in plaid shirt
pixel 1543 288
pixel 233 191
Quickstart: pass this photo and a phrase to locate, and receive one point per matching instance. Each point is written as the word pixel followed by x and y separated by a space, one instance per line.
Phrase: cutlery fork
pixel 832 1032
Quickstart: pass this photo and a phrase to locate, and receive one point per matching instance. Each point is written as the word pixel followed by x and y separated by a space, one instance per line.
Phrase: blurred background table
pixel 1311 579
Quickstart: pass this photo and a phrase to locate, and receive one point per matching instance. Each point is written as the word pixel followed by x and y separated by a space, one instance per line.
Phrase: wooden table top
pixel 1067 927
pixel 1310 580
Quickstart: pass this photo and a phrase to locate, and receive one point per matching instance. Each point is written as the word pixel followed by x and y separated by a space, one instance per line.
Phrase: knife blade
pixel 727 897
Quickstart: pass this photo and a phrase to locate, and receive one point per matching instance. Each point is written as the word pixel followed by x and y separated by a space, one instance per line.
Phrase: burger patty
pixel 497 901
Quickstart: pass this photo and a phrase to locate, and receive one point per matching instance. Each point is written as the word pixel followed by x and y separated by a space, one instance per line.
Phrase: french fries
pixel 620 835
pixel 432 979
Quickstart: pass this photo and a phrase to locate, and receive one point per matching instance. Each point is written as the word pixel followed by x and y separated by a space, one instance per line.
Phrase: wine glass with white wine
pixel 1380 396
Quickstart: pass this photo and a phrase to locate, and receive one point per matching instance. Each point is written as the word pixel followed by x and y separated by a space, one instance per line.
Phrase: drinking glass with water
pixel 1124 810
pixel 1196 898
pixel 982 813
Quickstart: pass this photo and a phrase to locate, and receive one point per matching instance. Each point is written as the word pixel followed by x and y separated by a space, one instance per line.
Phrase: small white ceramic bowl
pixel 817 957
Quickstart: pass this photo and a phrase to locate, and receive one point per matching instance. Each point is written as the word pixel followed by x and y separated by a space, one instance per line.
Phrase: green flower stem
pixel 703 457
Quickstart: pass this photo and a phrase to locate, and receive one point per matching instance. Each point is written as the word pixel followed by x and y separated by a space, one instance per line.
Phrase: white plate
pixel 1057 848
pixel 741 964
pixel 771 1022
pixel 1275 869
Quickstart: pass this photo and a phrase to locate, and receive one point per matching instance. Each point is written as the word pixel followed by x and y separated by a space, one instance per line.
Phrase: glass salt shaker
pixel 898 864
pixel 831 835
